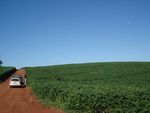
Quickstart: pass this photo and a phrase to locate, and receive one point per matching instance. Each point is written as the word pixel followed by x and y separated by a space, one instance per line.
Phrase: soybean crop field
pixel 5 72
pixel 111 87
pixel 4 69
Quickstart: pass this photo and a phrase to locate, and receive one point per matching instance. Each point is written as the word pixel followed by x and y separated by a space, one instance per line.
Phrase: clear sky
pixel 51 32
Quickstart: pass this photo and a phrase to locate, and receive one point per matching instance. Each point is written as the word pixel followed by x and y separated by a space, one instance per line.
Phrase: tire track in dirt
pixel 19 100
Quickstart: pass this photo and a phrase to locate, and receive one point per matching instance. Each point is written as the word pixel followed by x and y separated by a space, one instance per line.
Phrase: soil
pixel 20 100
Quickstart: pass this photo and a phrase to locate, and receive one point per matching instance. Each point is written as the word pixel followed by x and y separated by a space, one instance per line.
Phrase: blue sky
pixel 51 32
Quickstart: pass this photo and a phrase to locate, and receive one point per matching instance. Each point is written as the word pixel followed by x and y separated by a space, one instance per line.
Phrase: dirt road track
pixel 19 100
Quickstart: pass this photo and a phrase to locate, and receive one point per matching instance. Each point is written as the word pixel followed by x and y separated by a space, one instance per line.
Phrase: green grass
pixel 4 69
pixel 4 72
pixel 93 87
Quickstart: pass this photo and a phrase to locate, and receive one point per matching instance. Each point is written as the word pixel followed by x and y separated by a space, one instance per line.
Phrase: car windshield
pixel 17 80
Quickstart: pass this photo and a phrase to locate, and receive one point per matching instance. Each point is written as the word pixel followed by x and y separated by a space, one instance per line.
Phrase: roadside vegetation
pixel 6 72
pixel 93 88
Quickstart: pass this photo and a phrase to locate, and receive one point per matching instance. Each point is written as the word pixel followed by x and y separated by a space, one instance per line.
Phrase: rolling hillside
pixel 93 87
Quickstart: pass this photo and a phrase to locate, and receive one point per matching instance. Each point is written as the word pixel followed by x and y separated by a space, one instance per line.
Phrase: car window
pixel 15 80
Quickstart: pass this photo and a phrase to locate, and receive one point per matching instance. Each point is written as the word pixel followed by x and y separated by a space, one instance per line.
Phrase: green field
pixel 117 87
pixel 4 72
pixel 4 69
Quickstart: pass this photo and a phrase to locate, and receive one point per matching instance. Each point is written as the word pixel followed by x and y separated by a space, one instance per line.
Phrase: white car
pixel 15 82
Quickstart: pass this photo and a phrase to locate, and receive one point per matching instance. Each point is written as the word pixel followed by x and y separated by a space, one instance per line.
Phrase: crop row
pixel 88 99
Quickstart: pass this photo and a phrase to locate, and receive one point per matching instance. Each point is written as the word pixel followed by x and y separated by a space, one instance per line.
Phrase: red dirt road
pixel 19 100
